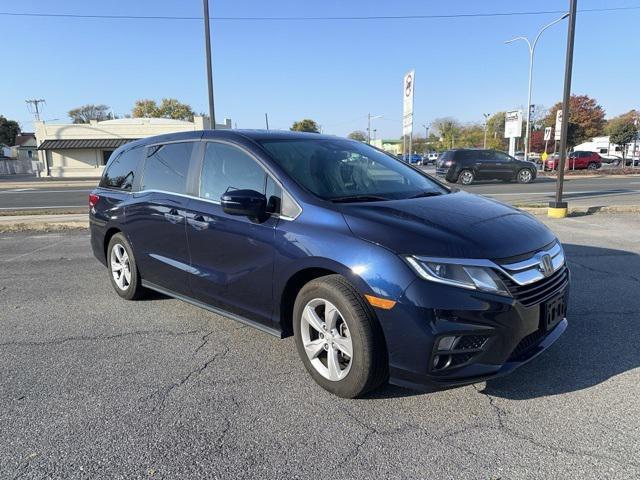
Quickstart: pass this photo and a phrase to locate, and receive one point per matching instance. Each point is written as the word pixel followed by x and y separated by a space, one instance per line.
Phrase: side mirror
pixel 246 203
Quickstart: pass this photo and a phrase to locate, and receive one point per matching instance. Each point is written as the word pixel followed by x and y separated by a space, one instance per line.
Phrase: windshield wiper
pixel 358 198
pixel 425 194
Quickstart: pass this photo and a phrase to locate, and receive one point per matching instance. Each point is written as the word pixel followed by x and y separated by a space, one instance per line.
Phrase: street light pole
pixel 486 119
pixel 558 208
pixel 532 49
pixel 369 118
pixel 207 46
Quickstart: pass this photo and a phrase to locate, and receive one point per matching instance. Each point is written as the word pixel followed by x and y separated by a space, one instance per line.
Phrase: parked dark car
pixel 379 271
pixel 466 165
pixel 579 160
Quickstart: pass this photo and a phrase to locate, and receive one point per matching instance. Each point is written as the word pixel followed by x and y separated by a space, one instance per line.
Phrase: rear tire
pixel 123 271
pixel 330 318
pixel 466 177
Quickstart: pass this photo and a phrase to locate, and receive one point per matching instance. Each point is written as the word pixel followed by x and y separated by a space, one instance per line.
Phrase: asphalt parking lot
pixel 96 387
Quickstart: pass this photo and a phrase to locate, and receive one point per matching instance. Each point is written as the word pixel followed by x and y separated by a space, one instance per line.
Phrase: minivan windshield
pixel 348 171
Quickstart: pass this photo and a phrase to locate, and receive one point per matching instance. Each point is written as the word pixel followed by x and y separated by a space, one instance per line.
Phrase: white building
pixel 82 150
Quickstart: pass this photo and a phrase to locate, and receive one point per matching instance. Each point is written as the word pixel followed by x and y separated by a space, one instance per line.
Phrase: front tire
pixel 123 271
pixel 338 337
pixel 592 166
pixel 525 175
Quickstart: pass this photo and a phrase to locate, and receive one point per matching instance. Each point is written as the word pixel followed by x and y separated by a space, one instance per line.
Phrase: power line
pixel 305 18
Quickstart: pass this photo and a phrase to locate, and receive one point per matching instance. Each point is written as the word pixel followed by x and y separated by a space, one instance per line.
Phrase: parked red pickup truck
pixel 576 161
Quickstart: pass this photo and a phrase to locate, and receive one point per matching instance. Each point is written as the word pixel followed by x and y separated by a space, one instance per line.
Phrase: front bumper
pixel 513 334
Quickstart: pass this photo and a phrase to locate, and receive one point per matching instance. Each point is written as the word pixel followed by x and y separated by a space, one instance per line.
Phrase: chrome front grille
pixel 540 291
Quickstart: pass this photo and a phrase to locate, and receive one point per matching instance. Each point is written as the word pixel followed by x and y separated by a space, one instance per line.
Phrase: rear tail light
pixel 93 200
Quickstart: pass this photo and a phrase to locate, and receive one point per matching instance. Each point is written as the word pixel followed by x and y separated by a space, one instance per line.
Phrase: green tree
pixel 8 131
pixel 448 129
pixel 305 125
pixel 613 123
pixel 586 119
pixel 168 108
pixel 86 113
pixel 358 135
pixel 623 133
pixel 495 132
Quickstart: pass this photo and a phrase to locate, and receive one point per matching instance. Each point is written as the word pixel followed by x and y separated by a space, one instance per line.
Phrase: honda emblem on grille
pixel 546 265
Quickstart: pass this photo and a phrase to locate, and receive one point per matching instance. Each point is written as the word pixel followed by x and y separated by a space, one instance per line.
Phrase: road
pixel 97 387
pixel 579 192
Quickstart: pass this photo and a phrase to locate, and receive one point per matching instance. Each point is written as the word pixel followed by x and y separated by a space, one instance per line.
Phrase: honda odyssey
pixel 380 272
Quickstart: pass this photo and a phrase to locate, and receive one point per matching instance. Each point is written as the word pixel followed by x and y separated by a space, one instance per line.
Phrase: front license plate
pixel 553 312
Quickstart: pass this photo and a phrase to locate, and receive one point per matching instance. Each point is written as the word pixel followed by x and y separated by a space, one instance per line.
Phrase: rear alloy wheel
pixel 592 166
pixel 525 176
pixel 338 338
pixel 122 268
pixel 466 177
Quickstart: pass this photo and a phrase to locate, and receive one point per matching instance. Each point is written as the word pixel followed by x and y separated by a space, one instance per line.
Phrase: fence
pixel 10 166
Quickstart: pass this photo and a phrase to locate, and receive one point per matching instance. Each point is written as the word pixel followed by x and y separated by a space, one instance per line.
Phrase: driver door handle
pixel 173 216
pixel 198 222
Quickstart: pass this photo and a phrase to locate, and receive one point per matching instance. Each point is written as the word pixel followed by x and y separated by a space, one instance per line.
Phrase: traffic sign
pixel 407 102
pixel 547 133
pixel 558 132
pixel 513 124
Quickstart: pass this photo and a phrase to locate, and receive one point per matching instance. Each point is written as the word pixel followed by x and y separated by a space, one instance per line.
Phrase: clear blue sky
pixel 332 71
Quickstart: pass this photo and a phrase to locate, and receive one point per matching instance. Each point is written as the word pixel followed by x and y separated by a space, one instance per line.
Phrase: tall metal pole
pixel 368 128
pixel 558 207
pixel 486 124
pixel 266 120
pixel 207 45
pixel 532 50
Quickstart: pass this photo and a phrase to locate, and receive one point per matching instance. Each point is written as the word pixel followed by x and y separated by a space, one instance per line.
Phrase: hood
pixel 451 225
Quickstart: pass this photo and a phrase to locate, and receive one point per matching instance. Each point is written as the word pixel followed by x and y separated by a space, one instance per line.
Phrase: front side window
pixel 121 171
pixel 227 167
pixel 167 167
pixel 501 157
pixel 345 170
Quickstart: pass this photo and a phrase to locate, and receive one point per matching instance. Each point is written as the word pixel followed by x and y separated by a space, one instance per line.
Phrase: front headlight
pixel 458 274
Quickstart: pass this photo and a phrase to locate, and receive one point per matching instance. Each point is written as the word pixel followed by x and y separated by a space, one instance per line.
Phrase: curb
pixel 43 223
pixel 580 211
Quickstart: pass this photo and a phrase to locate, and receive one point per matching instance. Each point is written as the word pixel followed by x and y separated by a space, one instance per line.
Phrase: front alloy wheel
pixel 326 339
pixel 525 176
pixel 338 337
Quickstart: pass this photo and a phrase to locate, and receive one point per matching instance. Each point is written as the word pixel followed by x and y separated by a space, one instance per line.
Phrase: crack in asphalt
pixel 164 392
pixel 85 338
pixel 205 340
pixel 501 414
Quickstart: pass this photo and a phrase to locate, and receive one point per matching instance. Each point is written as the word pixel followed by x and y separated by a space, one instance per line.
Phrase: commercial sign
pixel 558 132
pixel 407 102
pixel 547 134
pixel 513 124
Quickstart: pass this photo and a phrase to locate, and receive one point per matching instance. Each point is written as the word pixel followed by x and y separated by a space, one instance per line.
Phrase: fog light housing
pixel 446 343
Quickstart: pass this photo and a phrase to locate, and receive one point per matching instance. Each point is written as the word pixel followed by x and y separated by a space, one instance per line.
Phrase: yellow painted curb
pixel 557 212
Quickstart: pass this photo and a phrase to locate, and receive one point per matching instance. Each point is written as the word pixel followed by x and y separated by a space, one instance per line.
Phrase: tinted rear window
pixel 167 166
pixel 121 172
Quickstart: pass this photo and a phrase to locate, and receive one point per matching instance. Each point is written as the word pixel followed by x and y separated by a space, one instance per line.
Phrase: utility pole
pixel 558 208
pixel 266 120
pixel 36 107
pixel 486 119
pixel 369 128
pixel 207 46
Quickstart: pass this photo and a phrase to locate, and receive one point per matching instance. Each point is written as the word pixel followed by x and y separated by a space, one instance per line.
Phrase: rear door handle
pixel 198 222
pixel 173 216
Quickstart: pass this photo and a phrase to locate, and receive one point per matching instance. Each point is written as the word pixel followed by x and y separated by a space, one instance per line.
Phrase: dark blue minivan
pixel 378 270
